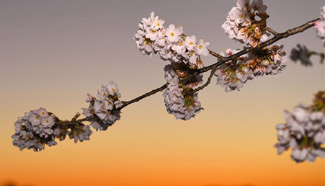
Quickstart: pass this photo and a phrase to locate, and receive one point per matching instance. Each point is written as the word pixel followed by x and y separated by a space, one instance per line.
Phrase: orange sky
pixel 54 52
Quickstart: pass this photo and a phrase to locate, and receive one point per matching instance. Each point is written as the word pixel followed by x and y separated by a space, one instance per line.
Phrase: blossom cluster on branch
pixel 180 98
pixel 246 22
pixel 234 74
pixel 38 128
pixel 104 110
pixel 170 43
pixel 304 131
pixel 183 54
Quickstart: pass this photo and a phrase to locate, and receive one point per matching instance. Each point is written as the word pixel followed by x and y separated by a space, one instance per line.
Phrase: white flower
pixel 238 14
pixel 173 33
pixel 300 114
pixel 151 34
pixel 299 155
pixel 193 59
pixel 48 121
pixel 190 42
pixel 35 119
pixel 179 48
pixel 112 89
pixel 157 23
pixel 202 48
pixel 42 112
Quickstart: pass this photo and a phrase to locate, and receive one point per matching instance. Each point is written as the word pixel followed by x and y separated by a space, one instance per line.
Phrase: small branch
pixel 154 91
pixel 271 31
pixel 208 81
pixel 75 117
pixel 216 55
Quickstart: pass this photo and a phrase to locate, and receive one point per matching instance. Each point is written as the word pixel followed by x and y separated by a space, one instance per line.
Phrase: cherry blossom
pixel 304 131
pixel 105 109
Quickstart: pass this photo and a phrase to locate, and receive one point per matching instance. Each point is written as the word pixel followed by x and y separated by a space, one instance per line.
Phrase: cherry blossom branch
pixel 213 67
pixel 38 127
pixel 276 38
pixel 223 60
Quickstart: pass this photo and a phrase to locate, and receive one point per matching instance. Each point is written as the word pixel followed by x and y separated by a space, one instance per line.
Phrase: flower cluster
pixel 320 25
pixel 267 61
pixel 38 128
pixel 246 22
pixel 75 130
pixel 34 130
pixel 303 132
pixel 180 99
pixel 170 43
pixel 104 111
pixel 234 74
pixel 231 75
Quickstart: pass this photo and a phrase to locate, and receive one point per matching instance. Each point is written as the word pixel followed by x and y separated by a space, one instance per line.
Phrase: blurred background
pixel 52 53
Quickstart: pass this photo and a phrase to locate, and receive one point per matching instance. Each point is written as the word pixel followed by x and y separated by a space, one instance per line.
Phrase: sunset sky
pixel 52 53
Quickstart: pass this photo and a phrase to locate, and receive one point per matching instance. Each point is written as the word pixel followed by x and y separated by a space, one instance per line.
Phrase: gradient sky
pixel 52 53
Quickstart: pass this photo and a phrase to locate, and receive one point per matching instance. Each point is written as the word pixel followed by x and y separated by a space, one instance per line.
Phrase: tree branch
pixel 222 60
pixel 154 91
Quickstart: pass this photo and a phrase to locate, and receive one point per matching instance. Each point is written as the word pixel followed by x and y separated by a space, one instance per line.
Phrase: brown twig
pixel 208 81
pixel 216 55
pixel 271 31
pixel 154 91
